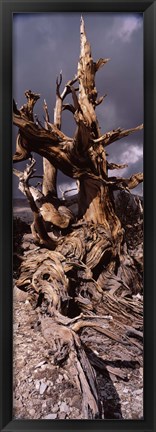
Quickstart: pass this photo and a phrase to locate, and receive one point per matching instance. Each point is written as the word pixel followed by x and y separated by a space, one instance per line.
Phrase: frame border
pixel 148 8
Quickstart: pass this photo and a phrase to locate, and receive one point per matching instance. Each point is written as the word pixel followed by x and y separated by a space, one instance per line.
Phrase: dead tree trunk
pixel 88 269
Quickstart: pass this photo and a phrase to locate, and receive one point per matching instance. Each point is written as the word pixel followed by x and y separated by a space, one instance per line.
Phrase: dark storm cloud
pixel 44 44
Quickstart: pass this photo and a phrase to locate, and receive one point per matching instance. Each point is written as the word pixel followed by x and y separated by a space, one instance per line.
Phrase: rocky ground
pixel 43 390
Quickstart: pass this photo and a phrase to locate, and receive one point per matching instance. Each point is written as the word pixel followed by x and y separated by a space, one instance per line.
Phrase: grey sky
pixel 44 44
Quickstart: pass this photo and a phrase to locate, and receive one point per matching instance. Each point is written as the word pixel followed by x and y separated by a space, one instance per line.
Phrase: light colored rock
pixel 27 302
pixel 50 416
pixel 64 407
pixel 55 408
pixel 44 366
pixel 62 416
pixel 15 326
pixel 17 404
pixel 32 412
pixel 59 379
pixel 44 405
pixel 65 377
pixel 138 392
pixel 43 387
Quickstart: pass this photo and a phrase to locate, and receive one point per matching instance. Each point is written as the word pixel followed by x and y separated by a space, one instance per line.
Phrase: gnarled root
pixel 79 297
pixel 67 349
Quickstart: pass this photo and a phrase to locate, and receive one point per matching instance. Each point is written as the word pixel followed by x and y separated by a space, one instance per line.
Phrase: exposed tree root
pixel 59 282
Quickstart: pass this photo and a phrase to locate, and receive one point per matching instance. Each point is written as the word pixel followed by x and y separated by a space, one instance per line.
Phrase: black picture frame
pixel 148 8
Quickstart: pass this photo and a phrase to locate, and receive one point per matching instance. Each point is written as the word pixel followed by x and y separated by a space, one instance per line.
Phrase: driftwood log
pixel 85 277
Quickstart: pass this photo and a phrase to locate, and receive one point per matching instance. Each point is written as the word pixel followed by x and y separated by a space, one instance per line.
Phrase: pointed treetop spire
pixel 82 21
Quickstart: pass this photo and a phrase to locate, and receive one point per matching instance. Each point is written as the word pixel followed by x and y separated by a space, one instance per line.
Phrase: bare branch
pixel 15 109
pixel 100 63
pixel 38 122
pixel 58 84
pixel 100 100
pixel 75 98
pixel 51 144
pixel 115 135
pixel 68 107
pixel 58 104
pixel 17 172
pixel 134 180
pixel 62 193
pixel 28 127
pixel 22 149
pixel 116 183
pixel 38 227
pixel 45 107
pixel 67 89
pixel 126 183
pixel 112 166
pixel 31 100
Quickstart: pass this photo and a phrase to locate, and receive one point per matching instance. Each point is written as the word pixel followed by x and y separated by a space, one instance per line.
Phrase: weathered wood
pixel 83 279
pixel 49 188
pixel 115 135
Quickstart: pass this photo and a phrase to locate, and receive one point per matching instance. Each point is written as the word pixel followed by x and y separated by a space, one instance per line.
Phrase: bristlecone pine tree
pixel 84 280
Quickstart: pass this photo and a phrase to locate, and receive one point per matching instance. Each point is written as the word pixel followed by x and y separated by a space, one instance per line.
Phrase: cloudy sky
pixel 44 44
